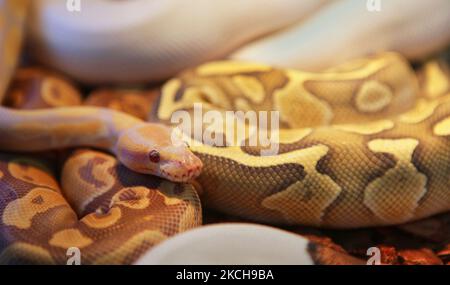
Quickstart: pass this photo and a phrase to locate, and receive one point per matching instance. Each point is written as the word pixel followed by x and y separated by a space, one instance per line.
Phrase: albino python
pixel 361 146
pixel 111 214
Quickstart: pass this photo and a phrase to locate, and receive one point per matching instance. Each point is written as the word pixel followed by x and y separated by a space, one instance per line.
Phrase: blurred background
pixel 141 41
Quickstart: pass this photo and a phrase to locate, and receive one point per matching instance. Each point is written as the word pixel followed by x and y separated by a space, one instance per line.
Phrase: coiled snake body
pixel 361 145
pixel 101 211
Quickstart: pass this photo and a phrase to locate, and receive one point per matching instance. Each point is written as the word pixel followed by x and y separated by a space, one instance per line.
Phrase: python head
pixel 150 149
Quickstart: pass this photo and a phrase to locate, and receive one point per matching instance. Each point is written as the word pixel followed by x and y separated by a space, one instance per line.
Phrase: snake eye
pixel 154 156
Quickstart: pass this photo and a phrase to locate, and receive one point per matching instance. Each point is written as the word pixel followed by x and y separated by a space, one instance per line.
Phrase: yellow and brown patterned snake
pixel 361 145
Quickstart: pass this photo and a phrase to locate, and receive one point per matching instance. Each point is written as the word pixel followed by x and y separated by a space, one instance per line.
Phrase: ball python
pixel 361 144
pixel 142 40
pixel 99 207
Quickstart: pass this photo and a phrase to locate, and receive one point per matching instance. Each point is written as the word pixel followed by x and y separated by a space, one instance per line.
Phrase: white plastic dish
pixel 233 244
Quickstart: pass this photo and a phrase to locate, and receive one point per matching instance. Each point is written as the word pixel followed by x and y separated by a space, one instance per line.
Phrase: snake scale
pixel 362 144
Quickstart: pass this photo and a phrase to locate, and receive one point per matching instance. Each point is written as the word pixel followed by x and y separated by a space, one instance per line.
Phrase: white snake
pixel 141 40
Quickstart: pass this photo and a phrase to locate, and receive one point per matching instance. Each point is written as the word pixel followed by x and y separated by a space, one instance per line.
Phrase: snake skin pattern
pixel 111 214
pixel 361 145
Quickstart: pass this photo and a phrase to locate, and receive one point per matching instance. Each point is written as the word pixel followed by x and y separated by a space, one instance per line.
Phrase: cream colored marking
pixel 442 128
pixel 26 251
pixel 235 153
pixel 139 201
pixel 194 94
pixel 168 92
pixel 287 136
pixel 372 66
pixel 423 110
pixel 120 255
pixel 373 96
pixel 95 221
pixel 367 128
pixel 436 80
pixel 20 212
pixel 250 87
pixel 293 99
pixel 230 67
pixel 394 197
pixel 70 238
pixel 32 172
pixel 305 201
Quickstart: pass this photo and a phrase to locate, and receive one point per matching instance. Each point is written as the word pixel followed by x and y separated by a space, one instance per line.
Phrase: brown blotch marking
pixel 384 201
pixel 383 160
pixel 273 80
pixel 132 197
pixel 437 172
pixel 179 93
pixel 170 193
pixel 307 192
pixel 281 176
pixel 38 200
pixel 178 189
pixel 86 171
pixel 295 203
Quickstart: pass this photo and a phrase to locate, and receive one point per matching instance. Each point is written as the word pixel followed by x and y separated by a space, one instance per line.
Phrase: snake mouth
pixel 178 172
pixel 184 176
